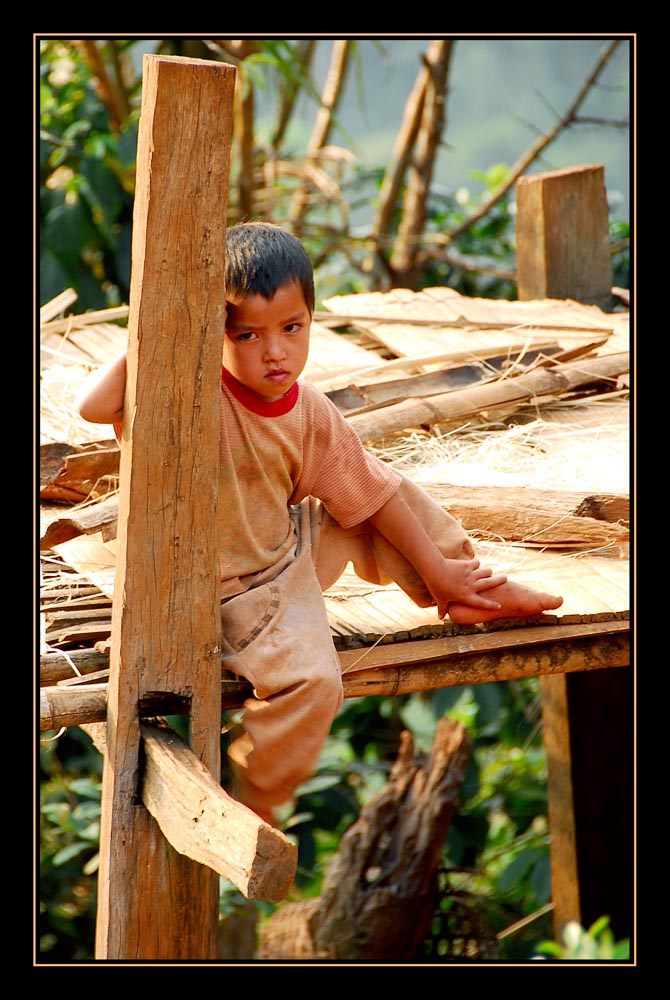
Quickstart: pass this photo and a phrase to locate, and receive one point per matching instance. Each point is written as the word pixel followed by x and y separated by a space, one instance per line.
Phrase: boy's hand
pixel 463 580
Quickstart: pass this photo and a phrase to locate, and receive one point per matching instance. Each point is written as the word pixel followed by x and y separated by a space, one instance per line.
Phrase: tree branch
pixel 534 150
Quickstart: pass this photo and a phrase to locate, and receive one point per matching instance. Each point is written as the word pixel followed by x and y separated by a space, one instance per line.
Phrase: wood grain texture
pixel 152 901
pixel 563 246
pixel 202 821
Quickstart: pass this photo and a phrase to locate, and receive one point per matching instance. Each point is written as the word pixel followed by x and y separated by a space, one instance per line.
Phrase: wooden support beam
pixel 563 252
pixel 562 235
pixel 403 667
pixel 588 732
pixel 202 822
pixel 152 901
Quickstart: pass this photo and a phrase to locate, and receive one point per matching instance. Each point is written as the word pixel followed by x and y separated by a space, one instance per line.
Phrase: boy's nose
pixel 274 348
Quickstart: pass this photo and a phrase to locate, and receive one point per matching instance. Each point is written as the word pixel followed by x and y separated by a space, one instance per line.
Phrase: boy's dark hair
pixel 261 258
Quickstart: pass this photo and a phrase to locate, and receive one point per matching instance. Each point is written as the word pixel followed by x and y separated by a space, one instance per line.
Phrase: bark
pixel 380 889
pixel 403 260
pixel 330 97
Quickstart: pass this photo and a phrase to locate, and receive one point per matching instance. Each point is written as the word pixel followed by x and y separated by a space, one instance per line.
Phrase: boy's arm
pixel 101 399
pixel 447 580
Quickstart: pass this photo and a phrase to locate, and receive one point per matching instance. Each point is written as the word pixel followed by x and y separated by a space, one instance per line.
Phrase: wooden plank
pixel 152 901
pixel 204 823
pixel 329 350
pixel 552 517
pixel 406 667
pixel 562 227
pixel 503 396
pixel 448 319
pixel 370 395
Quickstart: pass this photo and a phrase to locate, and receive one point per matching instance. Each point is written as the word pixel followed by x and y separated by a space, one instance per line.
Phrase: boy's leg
pixel 375 559
pixel 277 636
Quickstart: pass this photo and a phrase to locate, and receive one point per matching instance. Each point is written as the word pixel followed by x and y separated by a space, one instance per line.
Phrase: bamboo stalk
pixel 459 407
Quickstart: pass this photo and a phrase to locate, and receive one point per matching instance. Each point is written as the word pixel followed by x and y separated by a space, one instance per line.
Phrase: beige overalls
pixel 276 634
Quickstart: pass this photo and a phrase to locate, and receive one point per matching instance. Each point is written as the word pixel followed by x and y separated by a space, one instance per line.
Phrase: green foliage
pixel 595 944
pixel 70 789
pixel 87 179
pixel 496 856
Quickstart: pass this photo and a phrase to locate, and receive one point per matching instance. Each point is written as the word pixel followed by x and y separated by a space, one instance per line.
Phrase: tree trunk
pixel 303 58
pixel 332 91
pixel 403 261
pixel 395 175
pixel 380 889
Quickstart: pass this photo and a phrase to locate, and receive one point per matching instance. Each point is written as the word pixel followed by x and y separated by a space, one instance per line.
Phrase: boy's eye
pixel 293 328
pixel 244 337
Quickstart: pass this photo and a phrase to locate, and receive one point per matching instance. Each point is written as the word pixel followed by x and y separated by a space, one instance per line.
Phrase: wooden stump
pixel 563 248
pixel 380 889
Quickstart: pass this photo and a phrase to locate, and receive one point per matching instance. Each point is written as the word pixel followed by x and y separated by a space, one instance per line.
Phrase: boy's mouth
pixel 277 375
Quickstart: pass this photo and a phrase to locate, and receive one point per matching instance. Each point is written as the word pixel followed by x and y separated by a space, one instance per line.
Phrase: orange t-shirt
pixel 273 455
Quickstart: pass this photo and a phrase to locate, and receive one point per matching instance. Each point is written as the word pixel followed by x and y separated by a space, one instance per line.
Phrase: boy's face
pixel 267 341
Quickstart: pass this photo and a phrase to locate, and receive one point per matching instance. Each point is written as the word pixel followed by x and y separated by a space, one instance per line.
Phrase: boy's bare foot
pixel 516 601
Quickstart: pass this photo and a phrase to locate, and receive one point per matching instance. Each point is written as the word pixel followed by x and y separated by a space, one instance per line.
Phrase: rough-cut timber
pixel 379 891
pixel 152 901
pixel 493 399
pixel 203 822
pixel 547 517
pixel 400 668
pixel 91 474
pixel 562 236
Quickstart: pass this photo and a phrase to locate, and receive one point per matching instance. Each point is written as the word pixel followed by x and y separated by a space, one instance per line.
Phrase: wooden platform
pixel 386 645
pixel 388 335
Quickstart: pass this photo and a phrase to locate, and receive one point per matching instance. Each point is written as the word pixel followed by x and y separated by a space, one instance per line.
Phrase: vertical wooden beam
pixel 563 252
pixel 562 231
pixel 153 902
pixel 588 727
pixel 564 872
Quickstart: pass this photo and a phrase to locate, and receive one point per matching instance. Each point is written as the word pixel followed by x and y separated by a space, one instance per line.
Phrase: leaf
pixel 69 852
pixel 519 868
pixel 56 812
pixel 573 934
pixel 92 865
pixel 551 948
pixel 598 926
pixel 490 698
pixel 540 879
pixel 419 717
pixel 87 788
pixel 319 783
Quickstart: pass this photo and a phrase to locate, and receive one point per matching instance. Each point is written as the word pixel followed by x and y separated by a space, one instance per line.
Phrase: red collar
pixel 252 402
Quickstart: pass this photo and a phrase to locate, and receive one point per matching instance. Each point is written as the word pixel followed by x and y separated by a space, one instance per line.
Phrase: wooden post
pixel 153 902
pixel 562 234
pixel 588 729
pixel 563 252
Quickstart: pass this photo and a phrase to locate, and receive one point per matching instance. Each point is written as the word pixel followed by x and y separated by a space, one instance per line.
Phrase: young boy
pixel 300 498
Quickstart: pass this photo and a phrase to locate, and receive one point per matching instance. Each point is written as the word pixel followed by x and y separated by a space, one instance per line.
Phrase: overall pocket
pixel 247 616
